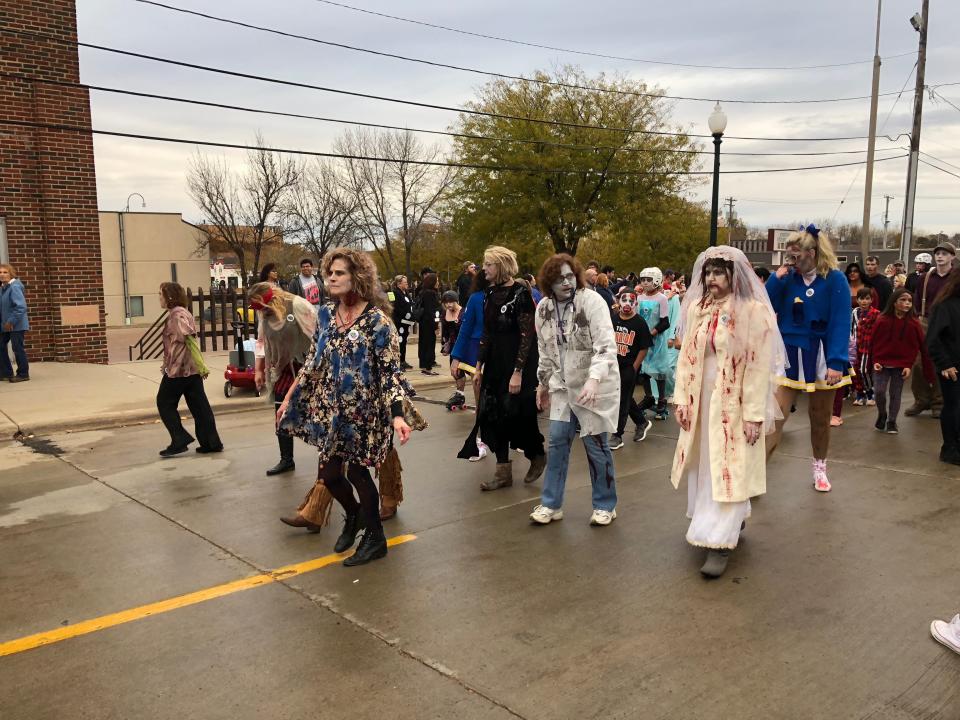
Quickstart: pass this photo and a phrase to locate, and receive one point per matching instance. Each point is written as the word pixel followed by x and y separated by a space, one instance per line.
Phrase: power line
pixel 320 118
pixel 940 160
pixel 885 120
pixel 490 73
pixel 402 101
pixel 937 167
pixel 597 54
pixel 467 166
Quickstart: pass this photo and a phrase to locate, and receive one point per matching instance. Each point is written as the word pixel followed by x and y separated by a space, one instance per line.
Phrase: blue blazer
pixel 471 328
pixel 807 315
pixel 13 307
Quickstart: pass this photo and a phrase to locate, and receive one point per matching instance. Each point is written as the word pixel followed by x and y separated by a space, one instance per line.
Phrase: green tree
pixel 616 177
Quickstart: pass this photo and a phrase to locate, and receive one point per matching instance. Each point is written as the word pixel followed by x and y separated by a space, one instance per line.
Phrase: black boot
pixel 286 463
pixel 373 546
pixel 352 524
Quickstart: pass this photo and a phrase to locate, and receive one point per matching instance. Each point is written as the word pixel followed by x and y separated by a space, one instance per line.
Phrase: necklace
pixel 342 319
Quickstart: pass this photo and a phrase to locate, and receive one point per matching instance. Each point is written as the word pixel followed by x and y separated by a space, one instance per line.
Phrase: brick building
pixel 49 228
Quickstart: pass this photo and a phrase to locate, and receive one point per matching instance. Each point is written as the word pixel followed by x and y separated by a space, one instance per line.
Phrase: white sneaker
pixel 603 517
pixel 542 515
pixel 482 451
pixel 947 633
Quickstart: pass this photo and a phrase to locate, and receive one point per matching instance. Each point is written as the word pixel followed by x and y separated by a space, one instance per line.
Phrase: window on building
pixel 136 306
pixel 173 272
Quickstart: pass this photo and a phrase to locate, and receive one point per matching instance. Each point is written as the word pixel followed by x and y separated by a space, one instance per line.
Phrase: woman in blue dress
pixel 466 350
pixel 348 400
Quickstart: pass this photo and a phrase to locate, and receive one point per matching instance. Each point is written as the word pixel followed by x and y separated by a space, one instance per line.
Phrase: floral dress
pixel 350 388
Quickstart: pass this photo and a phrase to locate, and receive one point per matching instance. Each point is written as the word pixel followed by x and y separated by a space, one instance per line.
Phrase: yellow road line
pixel 103 622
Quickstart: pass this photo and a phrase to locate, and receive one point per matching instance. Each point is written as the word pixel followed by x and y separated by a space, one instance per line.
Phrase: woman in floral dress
pixel 348 401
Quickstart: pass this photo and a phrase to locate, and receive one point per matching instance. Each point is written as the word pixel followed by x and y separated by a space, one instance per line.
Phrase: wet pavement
pixel 823 613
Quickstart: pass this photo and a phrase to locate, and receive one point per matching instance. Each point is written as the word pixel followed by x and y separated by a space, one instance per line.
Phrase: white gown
pixel 712 524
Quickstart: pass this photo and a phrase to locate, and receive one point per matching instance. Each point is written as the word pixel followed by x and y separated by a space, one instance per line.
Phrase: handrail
pixel 151 333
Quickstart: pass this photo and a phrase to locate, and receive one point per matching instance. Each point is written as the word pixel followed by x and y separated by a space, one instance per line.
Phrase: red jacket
pixel 896 342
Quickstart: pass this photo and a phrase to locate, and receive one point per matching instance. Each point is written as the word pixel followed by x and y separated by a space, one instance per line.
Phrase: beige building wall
pixel 154 243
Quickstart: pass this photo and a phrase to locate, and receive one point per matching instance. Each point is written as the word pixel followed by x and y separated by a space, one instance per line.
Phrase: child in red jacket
pixel 897 338
pixel 865 320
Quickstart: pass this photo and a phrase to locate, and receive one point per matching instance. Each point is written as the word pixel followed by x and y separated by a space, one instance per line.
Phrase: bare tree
pixel 320 212
pixel 243 212
pixel 396 197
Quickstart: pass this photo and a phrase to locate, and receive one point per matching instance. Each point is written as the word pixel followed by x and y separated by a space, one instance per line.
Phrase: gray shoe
pixel 716 563
pixel 503 477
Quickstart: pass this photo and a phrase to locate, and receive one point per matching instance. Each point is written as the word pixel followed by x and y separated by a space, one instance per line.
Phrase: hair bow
pixel 264 300
pixel 812 230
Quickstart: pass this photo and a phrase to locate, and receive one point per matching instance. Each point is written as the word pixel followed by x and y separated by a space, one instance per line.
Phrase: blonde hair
pixel 10 269
pixel 505 259
pixel 826 257
pixel 363 274
pixel 278 303
pixel 900 280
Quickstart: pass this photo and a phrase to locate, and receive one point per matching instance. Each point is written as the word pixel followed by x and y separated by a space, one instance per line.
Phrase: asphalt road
pixel 823 613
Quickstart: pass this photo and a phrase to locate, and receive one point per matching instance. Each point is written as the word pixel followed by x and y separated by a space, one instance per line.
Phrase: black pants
pixel 628 406
pixel 404 332
pixel 283 440
pixel 358 476
pixel 168 398
pixel 427 345
pixel 950 414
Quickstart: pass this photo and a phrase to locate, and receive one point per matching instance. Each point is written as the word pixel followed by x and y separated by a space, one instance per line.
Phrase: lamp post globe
pixel 717 122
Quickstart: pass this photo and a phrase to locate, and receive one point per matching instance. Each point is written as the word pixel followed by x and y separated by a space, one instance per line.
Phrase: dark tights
pixel 358 476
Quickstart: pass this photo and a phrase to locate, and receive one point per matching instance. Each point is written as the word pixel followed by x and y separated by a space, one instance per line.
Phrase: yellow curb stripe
pixel 30 642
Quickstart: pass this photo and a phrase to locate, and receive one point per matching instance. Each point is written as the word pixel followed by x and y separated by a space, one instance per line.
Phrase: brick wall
pixel 48 191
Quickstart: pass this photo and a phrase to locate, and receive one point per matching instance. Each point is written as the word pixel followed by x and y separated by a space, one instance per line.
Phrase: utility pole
pixel 886 219
pixel 871 145
pixel 731 201
pixel 906 237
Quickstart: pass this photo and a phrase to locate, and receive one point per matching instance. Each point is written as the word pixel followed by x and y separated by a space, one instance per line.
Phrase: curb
pixel 148 416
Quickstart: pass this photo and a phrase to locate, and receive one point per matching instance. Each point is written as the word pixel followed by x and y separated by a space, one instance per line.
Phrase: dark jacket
pixel 883 286
pixel 943 334
pixel 295 287
pixel 464 283
pixel 401 309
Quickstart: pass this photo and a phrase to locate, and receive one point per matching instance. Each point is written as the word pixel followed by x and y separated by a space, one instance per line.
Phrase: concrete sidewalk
pixel 77 396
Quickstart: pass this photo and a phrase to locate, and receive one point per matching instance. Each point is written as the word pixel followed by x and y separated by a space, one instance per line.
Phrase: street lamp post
pixel 718 123
pixel 127 319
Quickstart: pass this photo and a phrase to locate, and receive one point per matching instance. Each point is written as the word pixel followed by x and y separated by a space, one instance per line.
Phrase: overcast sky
pixel 740 33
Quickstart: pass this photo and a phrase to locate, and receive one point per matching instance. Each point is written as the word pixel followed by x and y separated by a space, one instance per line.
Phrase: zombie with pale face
pixel 654 307
pixel 578 383
pixel 633 342
pixel 812 301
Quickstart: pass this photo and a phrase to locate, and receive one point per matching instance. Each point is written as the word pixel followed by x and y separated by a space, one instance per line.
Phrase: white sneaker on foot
pixel 482 451
pixel 947 633
pixel 542 515
pixel 820 481
pixel 603 517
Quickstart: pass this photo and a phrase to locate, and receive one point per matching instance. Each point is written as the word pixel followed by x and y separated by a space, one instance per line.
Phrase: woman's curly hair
pixel 363 274
pixel 550 272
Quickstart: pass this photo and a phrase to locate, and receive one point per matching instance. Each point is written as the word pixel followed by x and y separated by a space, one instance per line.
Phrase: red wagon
pixel 240 370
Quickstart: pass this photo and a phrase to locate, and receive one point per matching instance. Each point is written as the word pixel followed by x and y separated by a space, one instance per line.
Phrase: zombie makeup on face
pixel 565 285
pixel 628 304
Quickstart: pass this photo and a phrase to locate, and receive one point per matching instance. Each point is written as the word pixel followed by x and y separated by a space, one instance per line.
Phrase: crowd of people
pixel 728 349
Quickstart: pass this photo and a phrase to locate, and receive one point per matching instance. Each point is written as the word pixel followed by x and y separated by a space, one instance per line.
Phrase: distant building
pixel 156 248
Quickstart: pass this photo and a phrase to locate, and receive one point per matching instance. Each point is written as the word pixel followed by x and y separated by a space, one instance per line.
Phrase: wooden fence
pixel 224 320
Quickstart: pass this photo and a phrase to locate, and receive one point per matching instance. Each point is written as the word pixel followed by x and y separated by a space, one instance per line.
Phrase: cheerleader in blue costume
pixel 812 301
pixel 653 307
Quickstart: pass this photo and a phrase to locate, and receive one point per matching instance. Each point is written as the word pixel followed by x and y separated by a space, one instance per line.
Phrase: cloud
pixel 749 33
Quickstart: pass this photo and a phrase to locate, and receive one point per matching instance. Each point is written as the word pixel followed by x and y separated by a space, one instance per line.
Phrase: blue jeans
pixel 15 338
pixel 599 459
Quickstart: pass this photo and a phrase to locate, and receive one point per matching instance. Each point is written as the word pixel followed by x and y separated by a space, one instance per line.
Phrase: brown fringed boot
pixel 314 512
pixel 503 477
pixel 391 485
